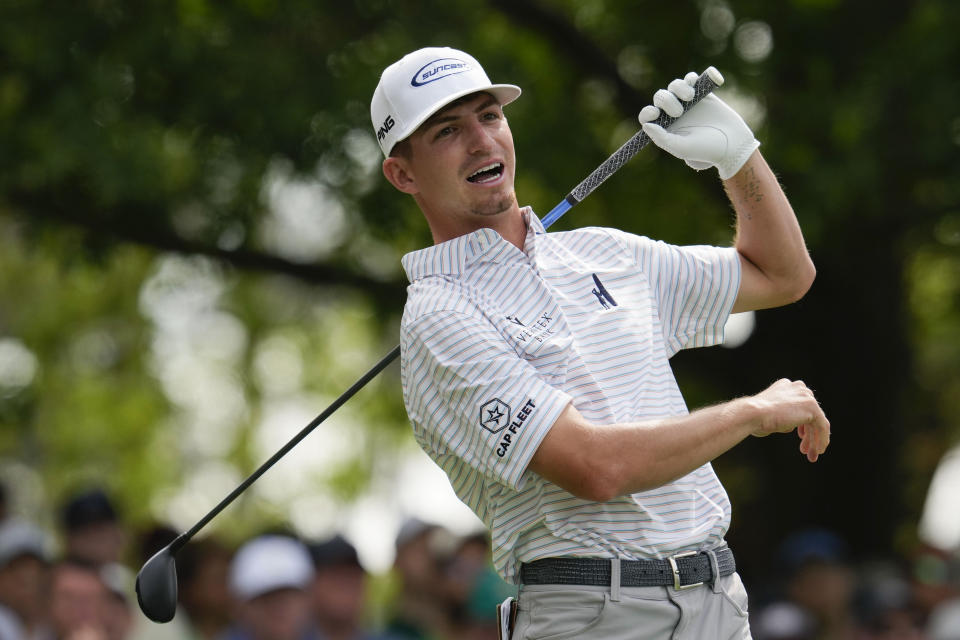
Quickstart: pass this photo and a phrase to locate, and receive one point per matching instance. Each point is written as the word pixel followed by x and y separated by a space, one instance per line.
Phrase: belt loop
pixel 615 579
pixel 714 570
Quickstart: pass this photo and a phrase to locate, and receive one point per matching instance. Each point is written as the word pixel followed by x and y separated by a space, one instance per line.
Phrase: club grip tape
pixel 705 84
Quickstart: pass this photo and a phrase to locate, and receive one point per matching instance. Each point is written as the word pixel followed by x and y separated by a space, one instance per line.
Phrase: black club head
pixel 157 586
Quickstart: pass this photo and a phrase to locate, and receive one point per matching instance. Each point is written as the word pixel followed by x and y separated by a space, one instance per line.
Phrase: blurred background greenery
pixel 198 251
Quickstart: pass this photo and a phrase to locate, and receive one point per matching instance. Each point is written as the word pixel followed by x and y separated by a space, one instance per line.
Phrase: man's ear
pixel 397 171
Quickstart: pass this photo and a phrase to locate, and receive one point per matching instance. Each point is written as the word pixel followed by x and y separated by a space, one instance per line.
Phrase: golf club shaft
pixel 336 404
pixel 704 85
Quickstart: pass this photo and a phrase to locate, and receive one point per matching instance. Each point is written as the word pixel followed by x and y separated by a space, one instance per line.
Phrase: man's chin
pixel 495 207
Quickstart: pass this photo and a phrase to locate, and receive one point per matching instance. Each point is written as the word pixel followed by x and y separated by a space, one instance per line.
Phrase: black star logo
pixel 494 415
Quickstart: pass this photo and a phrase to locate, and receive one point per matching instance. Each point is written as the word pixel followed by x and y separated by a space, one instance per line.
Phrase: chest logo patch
pixel 603 296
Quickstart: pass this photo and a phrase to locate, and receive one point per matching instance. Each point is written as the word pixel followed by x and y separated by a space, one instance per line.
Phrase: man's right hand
pixel 787 405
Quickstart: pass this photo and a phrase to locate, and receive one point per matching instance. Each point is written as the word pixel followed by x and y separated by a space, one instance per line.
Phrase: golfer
pixel 535 366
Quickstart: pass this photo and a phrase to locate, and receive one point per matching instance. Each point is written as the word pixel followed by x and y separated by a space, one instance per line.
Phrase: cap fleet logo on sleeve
pixel 437 70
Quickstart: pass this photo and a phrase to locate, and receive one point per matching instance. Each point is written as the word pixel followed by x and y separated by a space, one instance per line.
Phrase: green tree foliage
pixel 194 229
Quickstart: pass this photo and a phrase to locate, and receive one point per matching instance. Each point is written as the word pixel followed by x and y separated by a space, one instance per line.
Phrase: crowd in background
pixel 77 583
pixel 277 586
pixel 821 592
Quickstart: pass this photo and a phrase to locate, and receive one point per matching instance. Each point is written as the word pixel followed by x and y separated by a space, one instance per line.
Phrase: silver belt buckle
pixel 676 570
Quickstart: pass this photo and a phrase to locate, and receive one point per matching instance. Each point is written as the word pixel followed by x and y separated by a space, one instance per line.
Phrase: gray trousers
pixel 560 612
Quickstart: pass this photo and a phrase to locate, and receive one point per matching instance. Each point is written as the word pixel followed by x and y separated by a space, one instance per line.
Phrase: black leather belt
pixel 681 571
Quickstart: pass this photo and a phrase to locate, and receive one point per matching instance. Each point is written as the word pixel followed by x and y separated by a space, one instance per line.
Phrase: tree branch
pixel 34 206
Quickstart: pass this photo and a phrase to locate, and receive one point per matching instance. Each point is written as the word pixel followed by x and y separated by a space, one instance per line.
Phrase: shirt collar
pixel 454 256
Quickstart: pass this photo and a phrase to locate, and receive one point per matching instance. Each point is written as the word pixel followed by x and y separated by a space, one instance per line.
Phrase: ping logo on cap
pixel 437 70
pixel 385 127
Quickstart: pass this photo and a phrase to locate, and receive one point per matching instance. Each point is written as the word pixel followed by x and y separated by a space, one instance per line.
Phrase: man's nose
pixel 480 139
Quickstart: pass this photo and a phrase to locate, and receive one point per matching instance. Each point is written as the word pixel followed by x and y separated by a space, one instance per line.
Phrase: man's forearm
pixel 600 462
pixel 768 237
pixel 667 449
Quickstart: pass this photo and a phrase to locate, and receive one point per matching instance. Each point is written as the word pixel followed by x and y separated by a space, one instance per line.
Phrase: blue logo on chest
pixel 603 296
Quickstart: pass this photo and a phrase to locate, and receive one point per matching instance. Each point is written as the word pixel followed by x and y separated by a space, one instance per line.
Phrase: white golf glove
pixel 710 134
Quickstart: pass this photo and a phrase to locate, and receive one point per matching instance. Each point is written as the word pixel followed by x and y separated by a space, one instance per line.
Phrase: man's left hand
pixel 710 134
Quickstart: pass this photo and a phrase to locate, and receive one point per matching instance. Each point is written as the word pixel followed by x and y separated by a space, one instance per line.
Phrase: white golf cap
pixel 420 84
pixel 269 563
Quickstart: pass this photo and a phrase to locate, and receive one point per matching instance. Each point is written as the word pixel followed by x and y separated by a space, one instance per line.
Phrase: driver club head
pixel 157 586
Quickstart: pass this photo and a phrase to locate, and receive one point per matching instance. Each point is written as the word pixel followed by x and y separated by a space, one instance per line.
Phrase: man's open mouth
pixel 486 174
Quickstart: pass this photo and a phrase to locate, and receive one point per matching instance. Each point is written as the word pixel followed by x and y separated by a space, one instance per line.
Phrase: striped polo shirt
pixel 497 341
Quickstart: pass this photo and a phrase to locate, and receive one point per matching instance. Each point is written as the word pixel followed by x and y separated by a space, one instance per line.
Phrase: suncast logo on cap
pixel 438 69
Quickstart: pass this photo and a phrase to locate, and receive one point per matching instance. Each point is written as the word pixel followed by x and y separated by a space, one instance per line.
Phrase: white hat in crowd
pixel 420 84
pixel 269 563
pixel 21 538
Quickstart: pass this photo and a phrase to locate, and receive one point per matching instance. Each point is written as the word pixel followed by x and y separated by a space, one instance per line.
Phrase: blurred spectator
pixel 818 584
pixel 885 605
pixel 474 589
pixel 78 597
pixel 418 611
pixel 944 621
pixel 782 621
pixel 935 577
pixel 269 578
pixel 338 593
pixel 464 567
pixel 821 580
pixel 202 569
pixel 117 620
pixel 24 566
pixel 92 531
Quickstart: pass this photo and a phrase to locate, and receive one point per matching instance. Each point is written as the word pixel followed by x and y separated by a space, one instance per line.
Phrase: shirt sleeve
pixel 468 394
pixel 695 288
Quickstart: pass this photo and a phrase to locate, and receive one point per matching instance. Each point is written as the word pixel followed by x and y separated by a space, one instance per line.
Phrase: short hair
pixel 402 149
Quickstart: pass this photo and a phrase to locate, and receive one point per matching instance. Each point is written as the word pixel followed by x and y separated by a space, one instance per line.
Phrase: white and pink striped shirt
pixel 495 343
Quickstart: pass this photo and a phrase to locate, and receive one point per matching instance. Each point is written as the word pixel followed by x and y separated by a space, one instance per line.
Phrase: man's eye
pixel 444 132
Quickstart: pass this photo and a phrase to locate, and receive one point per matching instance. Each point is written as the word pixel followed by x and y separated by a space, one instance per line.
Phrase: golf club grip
pixel 704 85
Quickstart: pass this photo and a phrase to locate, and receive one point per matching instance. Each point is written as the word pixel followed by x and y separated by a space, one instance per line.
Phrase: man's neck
pixel 510 225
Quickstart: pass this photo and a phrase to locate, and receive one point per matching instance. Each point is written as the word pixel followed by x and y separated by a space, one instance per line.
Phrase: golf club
pixel 156 583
